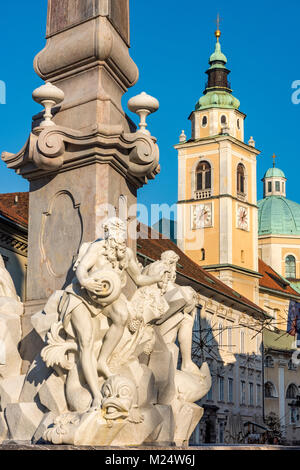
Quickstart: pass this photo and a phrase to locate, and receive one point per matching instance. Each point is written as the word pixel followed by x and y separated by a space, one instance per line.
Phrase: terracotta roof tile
pixel 272 280
pixel 15 207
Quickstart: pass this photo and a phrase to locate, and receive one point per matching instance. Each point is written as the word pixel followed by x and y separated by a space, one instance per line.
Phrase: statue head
pixel 115 233
pixel 119 397
pixel 115 228
pixel 170 257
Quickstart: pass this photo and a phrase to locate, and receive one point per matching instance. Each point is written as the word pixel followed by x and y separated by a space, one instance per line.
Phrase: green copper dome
pixel 279 216
pixel 274 172
pixel 218 99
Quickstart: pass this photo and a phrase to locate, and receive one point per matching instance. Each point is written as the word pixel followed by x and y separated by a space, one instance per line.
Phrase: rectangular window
pixel 242 342
pixel 251 397
pixel 221 388
pixel 277 186
pixel 209 396
pixel 258 395
pixel 230 390
pixel 207 180
pixel 243 392
pixel 294 417
pixel 269 186
pixel 209 332
pixel 229 338
pixel 220 327
pixel 199 182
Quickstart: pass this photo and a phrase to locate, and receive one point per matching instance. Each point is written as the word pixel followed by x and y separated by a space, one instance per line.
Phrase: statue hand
pixel 92 285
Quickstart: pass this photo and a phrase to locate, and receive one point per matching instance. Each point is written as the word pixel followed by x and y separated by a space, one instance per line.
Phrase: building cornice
pixel 217 139
pixel 232 267
pixel 219 196
pixel 278 293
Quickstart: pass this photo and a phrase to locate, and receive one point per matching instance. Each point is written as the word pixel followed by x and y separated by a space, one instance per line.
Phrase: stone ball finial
pixel 143 105
pixel 48 96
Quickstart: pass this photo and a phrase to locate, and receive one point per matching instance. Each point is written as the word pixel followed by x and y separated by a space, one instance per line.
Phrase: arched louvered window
pixel 241 189
pixel 292 391
pixel 203 176
pixel 290 267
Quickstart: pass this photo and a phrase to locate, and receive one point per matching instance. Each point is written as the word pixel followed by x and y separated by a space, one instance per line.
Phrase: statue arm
pixel 134 272
pixel 82 272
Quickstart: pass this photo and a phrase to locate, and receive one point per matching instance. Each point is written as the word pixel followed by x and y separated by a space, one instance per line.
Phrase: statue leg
pixel 82 323
pixel 185 338
pixel 118 314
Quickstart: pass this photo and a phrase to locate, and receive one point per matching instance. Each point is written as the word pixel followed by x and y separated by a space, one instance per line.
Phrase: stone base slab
pixel 19 446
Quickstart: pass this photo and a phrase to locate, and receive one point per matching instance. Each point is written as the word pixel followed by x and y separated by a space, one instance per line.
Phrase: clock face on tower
pixel 201 216
pixel 243 217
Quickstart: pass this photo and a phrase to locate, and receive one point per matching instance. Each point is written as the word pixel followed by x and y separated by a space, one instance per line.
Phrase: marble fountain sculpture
pixel 107 374
pixel 99 360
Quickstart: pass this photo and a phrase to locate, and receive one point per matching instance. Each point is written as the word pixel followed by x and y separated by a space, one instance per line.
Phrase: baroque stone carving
pixel 67 242
pixel 50 149
pixel 110 362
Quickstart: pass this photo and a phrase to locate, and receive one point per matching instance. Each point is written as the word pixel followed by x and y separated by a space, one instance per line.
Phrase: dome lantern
pixel 274 182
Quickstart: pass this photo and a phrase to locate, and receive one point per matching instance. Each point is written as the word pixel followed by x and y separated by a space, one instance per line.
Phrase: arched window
pixel 269 361
pixel 202 254
pixel 223 119
pixel 204 121
pixel 290 267
pixel 292 391
pixel 203 176
pixel 241 179
pixel 269 390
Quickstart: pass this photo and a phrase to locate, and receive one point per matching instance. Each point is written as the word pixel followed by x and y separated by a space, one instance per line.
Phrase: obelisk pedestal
pixel 89 160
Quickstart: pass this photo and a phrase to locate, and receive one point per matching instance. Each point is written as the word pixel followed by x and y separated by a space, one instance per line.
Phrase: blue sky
pixel 171 42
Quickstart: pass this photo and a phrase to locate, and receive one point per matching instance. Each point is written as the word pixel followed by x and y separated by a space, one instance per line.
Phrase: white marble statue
pixel 108 372
pixel 7 287
pixel 10 325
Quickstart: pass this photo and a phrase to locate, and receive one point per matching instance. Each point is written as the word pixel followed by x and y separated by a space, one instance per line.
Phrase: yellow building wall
pixel 282 247
pixel 207 238
pixel 242 240
pixel 277 307
pixel 245 285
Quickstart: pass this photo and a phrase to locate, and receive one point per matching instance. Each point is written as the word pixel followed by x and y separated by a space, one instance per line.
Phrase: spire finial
pixel 218 32
pixel 274 158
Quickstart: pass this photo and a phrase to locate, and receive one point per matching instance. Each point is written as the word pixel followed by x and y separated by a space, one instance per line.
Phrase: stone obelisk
pixel 84 155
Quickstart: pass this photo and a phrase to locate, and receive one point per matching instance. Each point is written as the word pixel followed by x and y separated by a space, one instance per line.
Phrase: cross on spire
pixel 274 158
pixel 218 32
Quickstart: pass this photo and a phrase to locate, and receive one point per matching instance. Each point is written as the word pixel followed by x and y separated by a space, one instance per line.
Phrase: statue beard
pixel 116 255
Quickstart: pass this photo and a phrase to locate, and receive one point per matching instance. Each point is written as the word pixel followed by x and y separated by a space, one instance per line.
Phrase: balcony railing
pixel 203 194
pixel 241 196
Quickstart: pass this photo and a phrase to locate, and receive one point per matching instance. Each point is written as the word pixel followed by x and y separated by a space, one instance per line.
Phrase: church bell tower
pixel 217 200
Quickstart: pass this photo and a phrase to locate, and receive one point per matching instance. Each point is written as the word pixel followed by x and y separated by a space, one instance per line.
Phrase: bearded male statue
pixel 101 274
